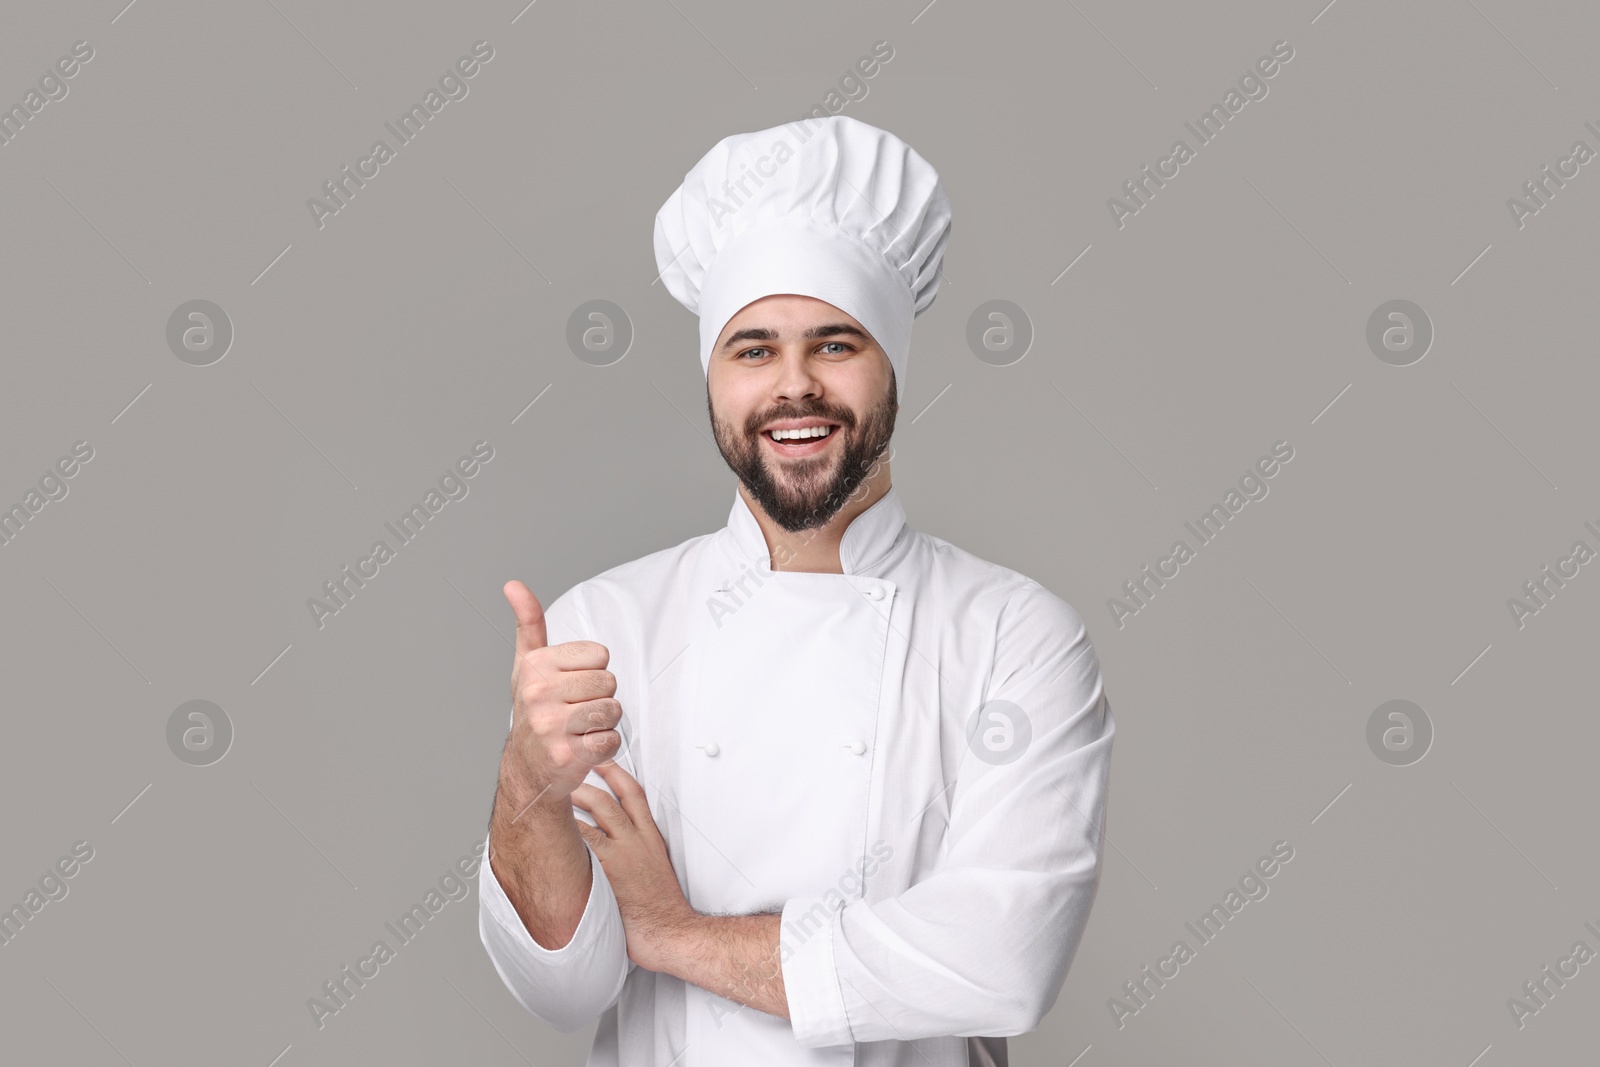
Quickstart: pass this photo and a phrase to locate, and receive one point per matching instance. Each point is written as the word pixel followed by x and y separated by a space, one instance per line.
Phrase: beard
pixel 803 494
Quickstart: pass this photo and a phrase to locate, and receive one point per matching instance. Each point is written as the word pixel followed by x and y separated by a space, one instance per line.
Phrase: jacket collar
pixel 866 543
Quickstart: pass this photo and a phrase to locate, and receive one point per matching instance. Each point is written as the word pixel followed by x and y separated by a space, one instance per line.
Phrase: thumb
pixel 531 633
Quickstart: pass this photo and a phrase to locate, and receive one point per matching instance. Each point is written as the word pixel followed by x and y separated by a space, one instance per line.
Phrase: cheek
pixel 731 409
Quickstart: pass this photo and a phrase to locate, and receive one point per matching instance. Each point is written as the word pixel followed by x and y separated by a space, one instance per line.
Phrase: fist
pixel 564 707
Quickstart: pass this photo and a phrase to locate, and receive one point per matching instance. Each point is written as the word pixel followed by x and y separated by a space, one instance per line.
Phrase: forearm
pixel 733 956
pixel 539 859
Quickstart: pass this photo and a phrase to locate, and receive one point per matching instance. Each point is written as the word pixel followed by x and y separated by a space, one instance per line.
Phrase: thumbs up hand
pixel 564 708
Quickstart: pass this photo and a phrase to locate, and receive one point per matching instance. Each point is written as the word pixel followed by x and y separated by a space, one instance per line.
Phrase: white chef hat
pixel 829 208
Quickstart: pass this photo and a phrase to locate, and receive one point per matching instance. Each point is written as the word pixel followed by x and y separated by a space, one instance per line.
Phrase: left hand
pixel 634 856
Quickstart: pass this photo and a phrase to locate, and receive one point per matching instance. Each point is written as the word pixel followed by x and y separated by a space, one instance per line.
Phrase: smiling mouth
pixel 801 436
pixel 801 442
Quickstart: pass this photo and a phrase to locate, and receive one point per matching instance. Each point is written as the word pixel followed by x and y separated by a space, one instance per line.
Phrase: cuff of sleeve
pixel 497 905
pixel 810 975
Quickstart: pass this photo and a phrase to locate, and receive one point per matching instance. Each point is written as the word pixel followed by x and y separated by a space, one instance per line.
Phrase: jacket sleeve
pixel 570 986
pixel 982 944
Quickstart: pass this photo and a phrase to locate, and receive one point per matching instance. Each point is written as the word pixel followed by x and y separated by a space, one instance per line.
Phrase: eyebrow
pixel 764 333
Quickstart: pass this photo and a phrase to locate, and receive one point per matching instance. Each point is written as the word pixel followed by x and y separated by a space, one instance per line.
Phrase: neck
pixel 817 550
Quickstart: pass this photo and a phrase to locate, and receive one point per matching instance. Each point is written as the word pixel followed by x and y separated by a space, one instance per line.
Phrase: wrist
pixel 675 941
pixel 519 797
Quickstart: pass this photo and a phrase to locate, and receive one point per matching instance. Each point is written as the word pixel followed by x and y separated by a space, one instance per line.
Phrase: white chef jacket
pixel 909 760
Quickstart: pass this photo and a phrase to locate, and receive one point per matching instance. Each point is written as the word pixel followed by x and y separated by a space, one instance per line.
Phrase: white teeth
pixel 796 435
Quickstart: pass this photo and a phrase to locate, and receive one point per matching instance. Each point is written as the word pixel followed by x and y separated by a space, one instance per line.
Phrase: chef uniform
pixel 908 760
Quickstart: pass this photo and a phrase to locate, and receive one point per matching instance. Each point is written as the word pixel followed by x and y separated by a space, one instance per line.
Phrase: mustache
pixel 843 416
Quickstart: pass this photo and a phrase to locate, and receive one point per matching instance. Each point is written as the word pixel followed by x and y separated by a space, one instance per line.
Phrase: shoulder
pixel 1009 595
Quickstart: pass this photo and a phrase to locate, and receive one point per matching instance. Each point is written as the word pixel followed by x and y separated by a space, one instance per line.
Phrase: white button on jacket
pixel 912 761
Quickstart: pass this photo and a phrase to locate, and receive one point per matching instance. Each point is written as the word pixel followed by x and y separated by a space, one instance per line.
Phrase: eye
pixel 842 346
pixel 748 351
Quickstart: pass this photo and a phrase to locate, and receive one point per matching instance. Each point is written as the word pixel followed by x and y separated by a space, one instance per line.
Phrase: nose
pixel 795 379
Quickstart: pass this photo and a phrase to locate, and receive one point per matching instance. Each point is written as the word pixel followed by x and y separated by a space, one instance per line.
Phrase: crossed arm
pixel 733 956
pixel 978 945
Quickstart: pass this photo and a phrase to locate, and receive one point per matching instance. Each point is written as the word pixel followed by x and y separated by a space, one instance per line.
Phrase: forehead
pixel 787 314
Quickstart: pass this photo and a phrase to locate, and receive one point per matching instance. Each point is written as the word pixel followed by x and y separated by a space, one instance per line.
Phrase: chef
pixel 815 788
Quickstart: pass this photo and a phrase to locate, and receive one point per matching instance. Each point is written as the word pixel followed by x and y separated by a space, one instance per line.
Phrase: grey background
pixel 1230 313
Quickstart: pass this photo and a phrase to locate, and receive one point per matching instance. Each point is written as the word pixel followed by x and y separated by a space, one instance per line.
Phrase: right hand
pixel 564 708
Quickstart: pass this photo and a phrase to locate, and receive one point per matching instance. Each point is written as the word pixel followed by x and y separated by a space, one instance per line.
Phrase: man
pixel 840 786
